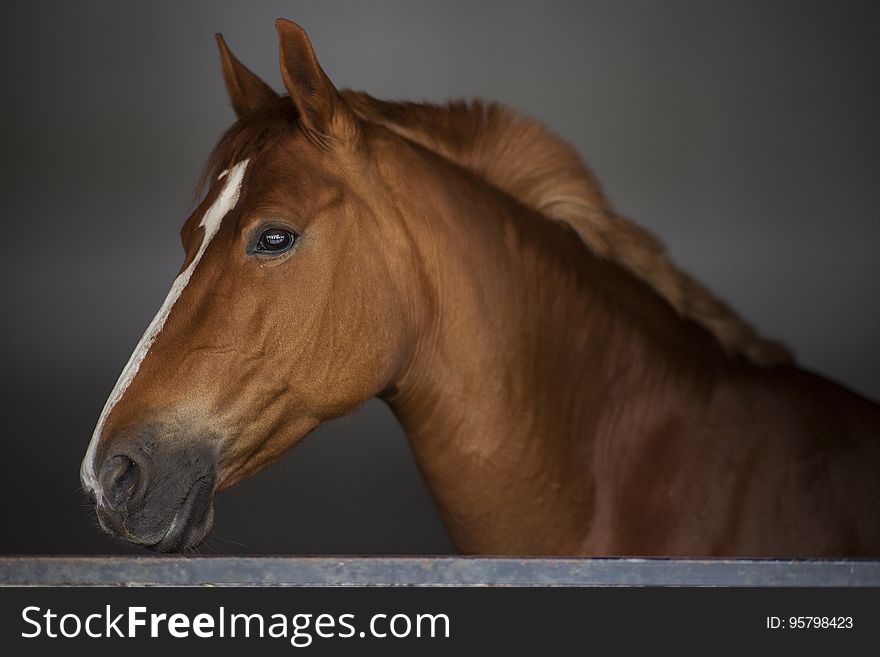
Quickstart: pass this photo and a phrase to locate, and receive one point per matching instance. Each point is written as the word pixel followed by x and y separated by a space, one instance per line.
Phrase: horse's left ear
pixel 322 111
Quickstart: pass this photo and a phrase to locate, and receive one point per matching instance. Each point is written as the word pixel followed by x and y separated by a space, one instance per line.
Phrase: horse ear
pixel 322 111
pixel 246 91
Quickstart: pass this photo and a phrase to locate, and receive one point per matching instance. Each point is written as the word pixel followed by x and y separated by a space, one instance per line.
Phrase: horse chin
pixel 191 522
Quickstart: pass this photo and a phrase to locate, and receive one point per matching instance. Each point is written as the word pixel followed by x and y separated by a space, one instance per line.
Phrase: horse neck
pixel 525 347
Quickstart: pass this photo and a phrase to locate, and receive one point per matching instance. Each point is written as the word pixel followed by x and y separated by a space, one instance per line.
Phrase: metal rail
pixel 428 571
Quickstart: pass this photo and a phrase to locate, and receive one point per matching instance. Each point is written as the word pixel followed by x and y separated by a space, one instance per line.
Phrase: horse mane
pixel 521 157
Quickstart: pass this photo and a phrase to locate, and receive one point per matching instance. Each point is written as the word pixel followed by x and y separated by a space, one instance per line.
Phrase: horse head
pixel 286 310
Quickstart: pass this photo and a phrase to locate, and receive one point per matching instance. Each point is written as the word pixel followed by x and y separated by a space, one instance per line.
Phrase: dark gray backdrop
pixel 746 134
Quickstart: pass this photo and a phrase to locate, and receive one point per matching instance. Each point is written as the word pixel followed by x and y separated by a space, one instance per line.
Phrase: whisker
pixel 228 540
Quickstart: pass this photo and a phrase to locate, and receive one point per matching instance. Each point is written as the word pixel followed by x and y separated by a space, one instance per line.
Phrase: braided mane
pixel 527 161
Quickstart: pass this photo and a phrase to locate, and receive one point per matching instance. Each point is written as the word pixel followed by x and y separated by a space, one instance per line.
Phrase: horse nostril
pixel 121 477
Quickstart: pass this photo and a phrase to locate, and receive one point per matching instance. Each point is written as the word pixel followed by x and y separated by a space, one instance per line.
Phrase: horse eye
pixel 275 240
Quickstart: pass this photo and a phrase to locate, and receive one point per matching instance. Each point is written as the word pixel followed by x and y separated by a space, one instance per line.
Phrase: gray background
pixel 746 134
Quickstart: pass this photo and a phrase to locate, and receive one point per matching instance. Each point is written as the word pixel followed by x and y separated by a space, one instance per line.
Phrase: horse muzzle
pixel 153 496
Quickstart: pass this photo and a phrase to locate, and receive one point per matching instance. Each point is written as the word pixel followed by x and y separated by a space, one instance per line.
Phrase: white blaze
pixel 211 223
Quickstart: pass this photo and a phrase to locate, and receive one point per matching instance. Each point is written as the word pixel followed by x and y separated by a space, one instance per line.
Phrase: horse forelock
pixel 248 137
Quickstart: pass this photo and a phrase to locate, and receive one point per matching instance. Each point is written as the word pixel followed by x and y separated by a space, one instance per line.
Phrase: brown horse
pixel 564 387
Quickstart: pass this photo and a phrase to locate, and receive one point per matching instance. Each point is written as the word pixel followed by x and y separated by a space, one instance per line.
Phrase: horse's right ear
pixel 246 91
